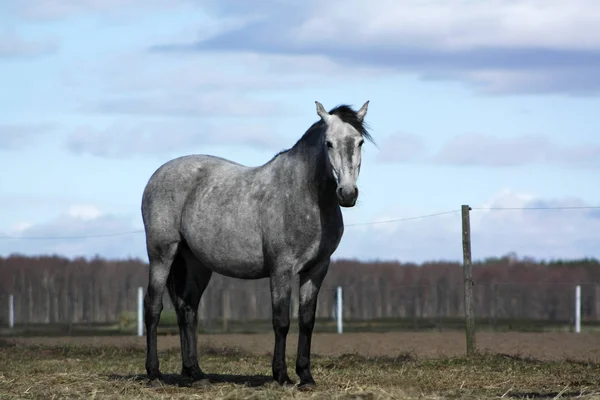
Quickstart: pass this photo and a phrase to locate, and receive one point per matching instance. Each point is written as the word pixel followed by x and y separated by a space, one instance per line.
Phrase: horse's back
pixel 167 190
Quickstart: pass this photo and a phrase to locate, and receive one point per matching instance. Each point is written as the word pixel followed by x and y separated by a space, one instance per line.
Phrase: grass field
pixel 357 366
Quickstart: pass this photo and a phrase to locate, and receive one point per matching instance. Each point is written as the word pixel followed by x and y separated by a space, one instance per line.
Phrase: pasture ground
pixel 354 365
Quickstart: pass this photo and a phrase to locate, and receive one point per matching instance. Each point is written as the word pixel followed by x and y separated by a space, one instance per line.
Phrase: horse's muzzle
pixel 347 195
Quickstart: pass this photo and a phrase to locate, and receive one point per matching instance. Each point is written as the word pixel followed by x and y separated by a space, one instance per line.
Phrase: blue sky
pixel 488 103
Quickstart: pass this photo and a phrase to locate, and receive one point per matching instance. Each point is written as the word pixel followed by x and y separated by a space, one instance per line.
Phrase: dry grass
pixel 32 371
pixel 543 346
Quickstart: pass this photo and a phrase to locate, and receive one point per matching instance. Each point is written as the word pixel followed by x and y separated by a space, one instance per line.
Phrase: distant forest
pixel 61 290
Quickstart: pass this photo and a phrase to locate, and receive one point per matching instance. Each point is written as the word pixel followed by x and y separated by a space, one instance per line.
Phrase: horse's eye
pixel 329 144
pixel 360 143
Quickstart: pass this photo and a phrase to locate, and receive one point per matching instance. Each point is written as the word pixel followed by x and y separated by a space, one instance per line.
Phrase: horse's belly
pixel 228 244
pixel 235 267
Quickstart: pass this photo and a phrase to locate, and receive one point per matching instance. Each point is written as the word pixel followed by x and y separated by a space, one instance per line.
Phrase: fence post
pixel 577 308
pixel 140 312
pixel 340 310
pixel 11 311
pixel 468 280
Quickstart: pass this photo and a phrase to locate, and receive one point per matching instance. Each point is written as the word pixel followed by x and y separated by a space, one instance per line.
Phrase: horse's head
pixel 343 140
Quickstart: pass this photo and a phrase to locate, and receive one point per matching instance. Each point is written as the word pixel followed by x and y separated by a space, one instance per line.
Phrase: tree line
pixel 53 289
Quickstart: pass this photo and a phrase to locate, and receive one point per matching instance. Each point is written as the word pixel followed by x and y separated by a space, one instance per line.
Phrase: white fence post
pixel 140 312
pixel 578 309
pixel 340 310
pixel 11 311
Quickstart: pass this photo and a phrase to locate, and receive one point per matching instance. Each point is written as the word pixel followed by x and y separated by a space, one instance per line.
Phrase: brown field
pixel 542 346
pixel 352 365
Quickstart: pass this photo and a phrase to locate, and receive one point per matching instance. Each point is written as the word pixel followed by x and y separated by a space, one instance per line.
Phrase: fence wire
pixel 99 294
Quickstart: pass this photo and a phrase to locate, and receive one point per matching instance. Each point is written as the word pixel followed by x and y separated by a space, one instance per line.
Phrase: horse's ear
pixel 322 112
pixel 363 111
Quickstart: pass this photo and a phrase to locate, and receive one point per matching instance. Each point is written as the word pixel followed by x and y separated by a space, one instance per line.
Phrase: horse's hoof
pixel 307 386
pixel 155 379
pixel 154 383
pixel 285 381
pixel 200 383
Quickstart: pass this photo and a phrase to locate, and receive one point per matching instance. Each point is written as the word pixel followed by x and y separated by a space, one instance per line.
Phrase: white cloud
pixel 82 230
pixel 401 147
pixel 491 151
pixel 14 46
pixel 19 228
pixel 463 24
pixel 516 151
pixel 164 138
pixel 542 234
pixel 458 25
pixel 188 104
pixel 500 46
pixel 84 212
pixel 208 83
pixel 203 86
pixel 16 137
pixel 507 198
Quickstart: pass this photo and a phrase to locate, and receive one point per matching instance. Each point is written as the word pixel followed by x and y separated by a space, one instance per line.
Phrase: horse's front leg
pixel 310 284
pixel 281 287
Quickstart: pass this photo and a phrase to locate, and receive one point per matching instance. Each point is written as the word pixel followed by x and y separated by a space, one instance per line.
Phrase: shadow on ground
pixel 549 395
pixel 178 380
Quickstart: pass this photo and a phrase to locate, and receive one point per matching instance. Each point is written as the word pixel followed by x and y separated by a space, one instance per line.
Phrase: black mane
pixel 348 115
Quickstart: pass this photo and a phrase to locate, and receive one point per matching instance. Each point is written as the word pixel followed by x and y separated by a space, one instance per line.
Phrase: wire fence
pixel 389 221
pixel 375 302
pixel 499 306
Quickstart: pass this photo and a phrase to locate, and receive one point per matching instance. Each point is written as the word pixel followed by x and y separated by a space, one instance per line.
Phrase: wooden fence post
pixel 468 280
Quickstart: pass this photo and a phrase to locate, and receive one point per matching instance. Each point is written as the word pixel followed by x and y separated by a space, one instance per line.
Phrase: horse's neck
pixel 308 165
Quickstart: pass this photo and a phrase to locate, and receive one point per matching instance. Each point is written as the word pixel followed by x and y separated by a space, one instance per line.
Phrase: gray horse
pixel 204 214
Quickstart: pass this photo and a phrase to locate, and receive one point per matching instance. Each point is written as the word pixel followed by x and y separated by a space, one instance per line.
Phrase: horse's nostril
pixel 347 193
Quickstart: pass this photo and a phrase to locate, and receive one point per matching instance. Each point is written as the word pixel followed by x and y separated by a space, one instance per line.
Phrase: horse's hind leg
pixel 161 259
pixel 186 284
